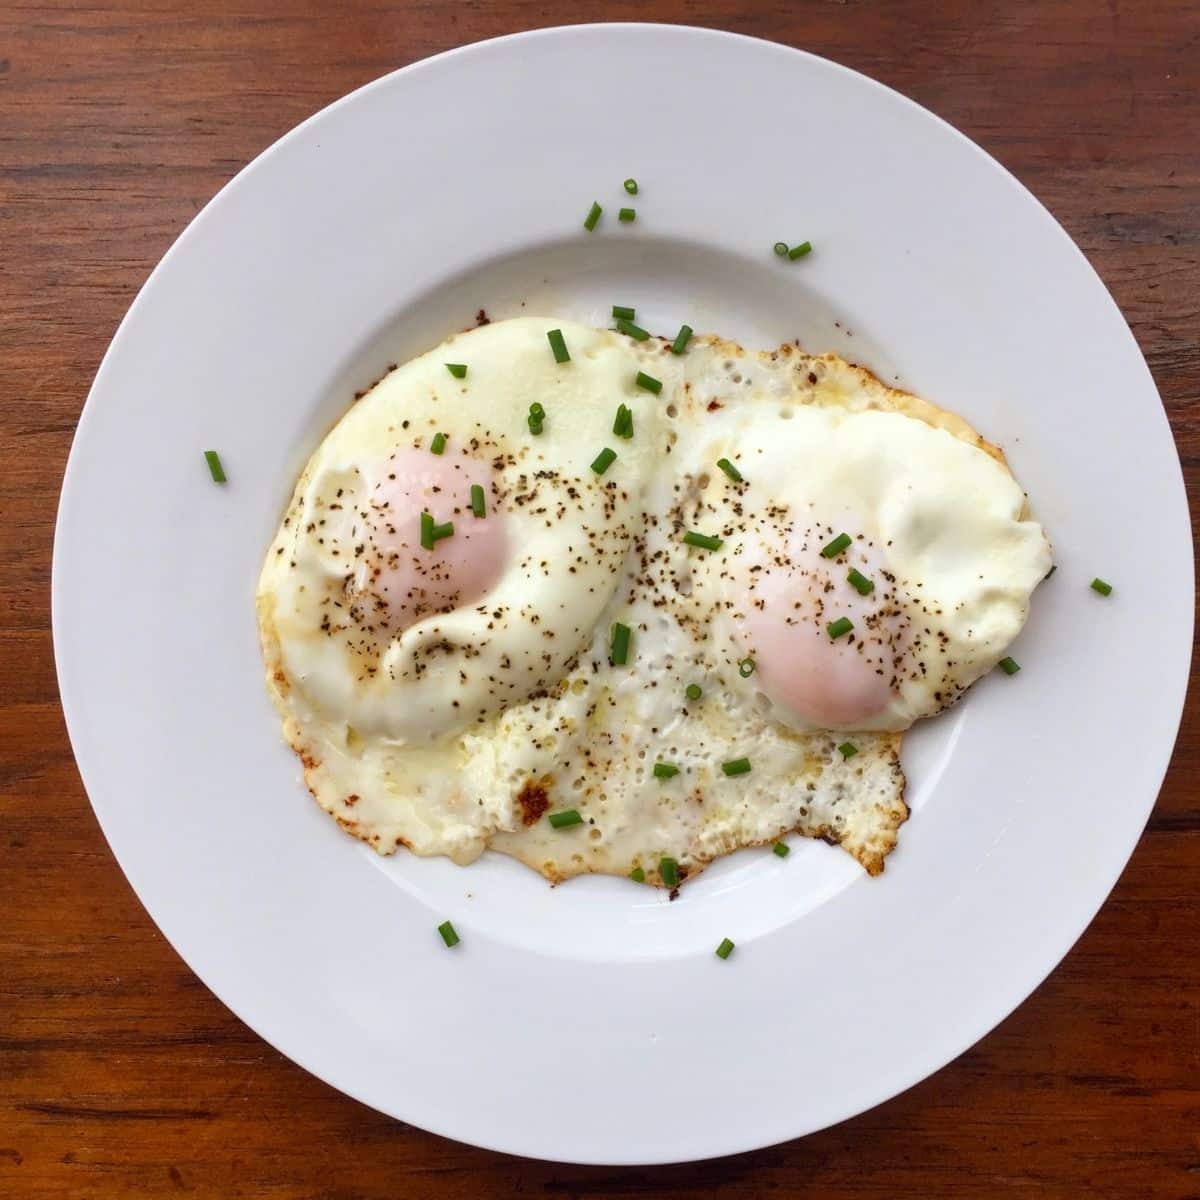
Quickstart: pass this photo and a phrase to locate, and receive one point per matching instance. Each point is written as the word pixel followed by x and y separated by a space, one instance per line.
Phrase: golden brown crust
pixel 831 379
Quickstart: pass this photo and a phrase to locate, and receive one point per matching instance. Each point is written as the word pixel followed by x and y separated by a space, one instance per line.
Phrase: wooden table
pixel 120 1075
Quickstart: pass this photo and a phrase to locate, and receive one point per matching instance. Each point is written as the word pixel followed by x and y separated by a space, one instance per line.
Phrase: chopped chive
pixel 438 444
pixel 631 330
pixel 1098 585
pixel 618 651
pixel 739 766
pixel 648 382
pixel 564 820
pixel 781 248
pixel 589 222
pixel 703 540
pixel 681 339
pixel 839 628
pixel 478 501
pixel 448 934
pixel 431 533
pixel 861 584
pixel 730 469
pixel 668 871
pixel 536 410
pixel 725 949
pixel 214 466
pixel 835 547
pixel 537 415
pixel 746 668
pixel 604 460
pixel 664 770
pixel 799 251
pixel 693 691
pixel 622 312
pixel 458 370
pixel 637 875
pixel 623 425
pixel 847 750
pixel 781 849
pixel 626 215
pixel 1009 666
pixel 630 185
pixel 558 345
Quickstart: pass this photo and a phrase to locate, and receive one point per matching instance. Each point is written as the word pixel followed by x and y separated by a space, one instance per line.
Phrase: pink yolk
pixel 828 682
pixel 398 581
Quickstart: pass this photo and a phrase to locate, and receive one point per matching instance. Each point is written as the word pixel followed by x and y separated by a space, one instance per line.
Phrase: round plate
pixel 593 1022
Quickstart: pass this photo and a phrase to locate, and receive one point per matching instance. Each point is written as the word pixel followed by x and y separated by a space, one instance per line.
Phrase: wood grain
pixel 120 1075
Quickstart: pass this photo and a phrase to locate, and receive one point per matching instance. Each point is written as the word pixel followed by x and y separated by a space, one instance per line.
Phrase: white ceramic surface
pixel 592 1022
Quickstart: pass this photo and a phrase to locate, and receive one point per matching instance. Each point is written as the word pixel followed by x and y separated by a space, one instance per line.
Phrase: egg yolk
pixel 793 598
pixel 398 581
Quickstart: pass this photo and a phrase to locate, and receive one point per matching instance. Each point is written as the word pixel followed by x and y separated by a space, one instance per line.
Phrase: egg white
pixel 398 762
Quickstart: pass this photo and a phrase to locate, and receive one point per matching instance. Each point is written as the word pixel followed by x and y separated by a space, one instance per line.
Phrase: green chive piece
pixel 861 584
pixel 781 849
pixel 693 691
pixel 703 540
pixel 627 215
pixel 589 222
pixel 458 370
pixel 535 424
pixel 664 770
pixel 536 410
pixel 725 949
pixel 681 339
pixel 847 750
pixel 746 668
pixel 835 547
pixel 438 444
pixel 558 345
pixel 839 628
pixel 630 185
pixel 800 251
pixel 668 872
pixel 730 469
pixel 648 382
pixel 604 460
pixel 631 330
pixel 564 820
pixel 739 766
pixel 618 652
pixel 214 466
pixel 431 533
pixel 781 248
pixel 478 500
pixel 622 312
pixel 1009 666
pixel 623 425
pixel 637 875
pixel 448 935
pixel 1098 585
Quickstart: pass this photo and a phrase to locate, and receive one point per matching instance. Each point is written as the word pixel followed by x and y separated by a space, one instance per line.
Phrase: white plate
pixel 593 1022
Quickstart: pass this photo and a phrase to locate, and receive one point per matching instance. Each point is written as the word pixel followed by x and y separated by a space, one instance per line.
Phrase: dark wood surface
pixel 120 1075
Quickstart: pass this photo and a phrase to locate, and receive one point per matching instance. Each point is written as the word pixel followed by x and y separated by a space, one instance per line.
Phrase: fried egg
pixel 690 607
